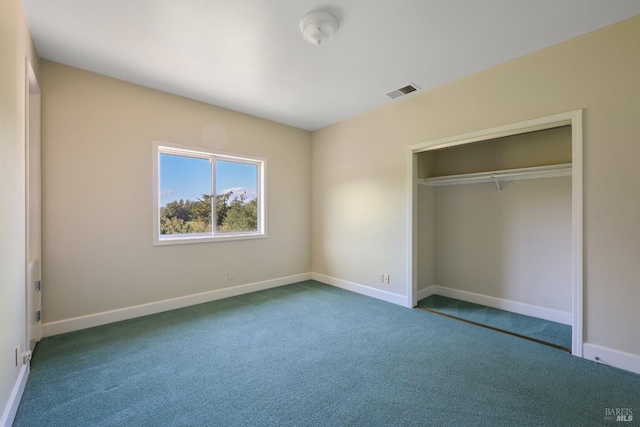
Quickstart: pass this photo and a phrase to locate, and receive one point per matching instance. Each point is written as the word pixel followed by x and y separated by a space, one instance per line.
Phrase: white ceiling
pixel 249 55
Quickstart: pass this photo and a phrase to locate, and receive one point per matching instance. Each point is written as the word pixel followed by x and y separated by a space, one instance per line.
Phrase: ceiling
pixel 249 55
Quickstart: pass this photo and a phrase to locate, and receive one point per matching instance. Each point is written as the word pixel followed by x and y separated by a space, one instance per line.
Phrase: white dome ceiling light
pixel 318 27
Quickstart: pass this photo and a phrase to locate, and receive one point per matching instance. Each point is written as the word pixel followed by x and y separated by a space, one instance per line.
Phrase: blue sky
pixel 188 178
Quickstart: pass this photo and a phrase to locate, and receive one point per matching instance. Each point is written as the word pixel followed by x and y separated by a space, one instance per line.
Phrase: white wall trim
pixel 9 413
pixel 612 357
pixel 508 305
pixel 102 318
pixel 427 292
pixel 361 289
pixel 577 335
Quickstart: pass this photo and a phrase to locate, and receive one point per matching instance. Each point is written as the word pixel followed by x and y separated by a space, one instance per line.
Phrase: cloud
pixel 237 191
pixel 234 190
pixel 166 193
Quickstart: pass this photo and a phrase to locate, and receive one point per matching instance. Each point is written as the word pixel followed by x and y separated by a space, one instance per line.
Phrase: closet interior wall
pixel 515 244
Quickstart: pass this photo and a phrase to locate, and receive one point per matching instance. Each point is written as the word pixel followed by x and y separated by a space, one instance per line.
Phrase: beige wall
pixel 97 196
pixel 359 178
pixel 15 45
pixel 542 148
pixel 426 237
pixel 514 245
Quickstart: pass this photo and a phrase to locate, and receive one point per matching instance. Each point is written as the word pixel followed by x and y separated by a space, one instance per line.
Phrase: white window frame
pixel 160 147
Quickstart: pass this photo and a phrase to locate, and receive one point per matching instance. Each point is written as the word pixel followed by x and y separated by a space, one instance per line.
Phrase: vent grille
pixel 403 91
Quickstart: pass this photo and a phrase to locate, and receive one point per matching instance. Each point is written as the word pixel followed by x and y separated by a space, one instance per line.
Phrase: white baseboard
pixel 9 413
pixel 362 289
pixel 552 315
pixel 427 292
pixel 97 319
pixel 612 357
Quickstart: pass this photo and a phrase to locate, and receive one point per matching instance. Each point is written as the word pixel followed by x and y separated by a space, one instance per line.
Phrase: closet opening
pixel 496 228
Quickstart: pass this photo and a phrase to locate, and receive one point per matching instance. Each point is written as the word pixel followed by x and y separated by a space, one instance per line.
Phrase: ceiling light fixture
pixel 318 27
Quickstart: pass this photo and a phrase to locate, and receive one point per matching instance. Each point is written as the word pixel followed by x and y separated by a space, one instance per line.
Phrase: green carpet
pixel 540 329
pixel 312 355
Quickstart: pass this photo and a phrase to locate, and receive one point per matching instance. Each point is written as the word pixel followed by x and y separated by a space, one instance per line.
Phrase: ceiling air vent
pixel 402 91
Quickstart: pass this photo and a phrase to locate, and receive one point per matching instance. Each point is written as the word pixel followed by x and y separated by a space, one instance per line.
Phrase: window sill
pixel 194 239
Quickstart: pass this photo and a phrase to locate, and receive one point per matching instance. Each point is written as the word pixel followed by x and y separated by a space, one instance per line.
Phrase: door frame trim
pixel 33 117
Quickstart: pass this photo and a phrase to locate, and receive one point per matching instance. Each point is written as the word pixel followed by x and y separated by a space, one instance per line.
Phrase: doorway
pixel 573 120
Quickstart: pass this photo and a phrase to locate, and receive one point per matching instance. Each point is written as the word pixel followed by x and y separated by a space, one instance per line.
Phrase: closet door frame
pixel 571 118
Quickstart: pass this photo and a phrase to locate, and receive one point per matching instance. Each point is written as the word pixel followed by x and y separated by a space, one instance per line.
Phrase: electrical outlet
pixel 386 279
pixel 17 355
pixel 231 275
pixel 381 278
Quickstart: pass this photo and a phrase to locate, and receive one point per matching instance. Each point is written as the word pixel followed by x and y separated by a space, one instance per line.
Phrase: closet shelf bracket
pixel 497 183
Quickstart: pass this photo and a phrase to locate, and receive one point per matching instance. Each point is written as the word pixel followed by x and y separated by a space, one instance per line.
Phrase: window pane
pixel 185 195
pixel 237 196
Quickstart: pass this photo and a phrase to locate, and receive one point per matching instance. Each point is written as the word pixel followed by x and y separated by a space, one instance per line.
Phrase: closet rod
pixel 550 171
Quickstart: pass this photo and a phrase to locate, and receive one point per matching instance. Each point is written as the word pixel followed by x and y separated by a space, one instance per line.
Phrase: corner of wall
pixel 611 357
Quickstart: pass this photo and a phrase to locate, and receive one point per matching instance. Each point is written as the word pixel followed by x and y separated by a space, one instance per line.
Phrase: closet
pixel 494 223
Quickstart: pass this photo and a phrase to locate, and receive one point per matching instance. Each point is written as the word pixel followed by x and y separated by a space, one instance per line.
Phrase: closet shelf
pixel 500 175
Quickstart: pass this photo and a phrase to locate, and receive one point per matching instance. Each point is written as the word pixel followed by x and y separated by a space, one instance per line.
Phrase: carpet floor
pixel 540 329
pixel 309 354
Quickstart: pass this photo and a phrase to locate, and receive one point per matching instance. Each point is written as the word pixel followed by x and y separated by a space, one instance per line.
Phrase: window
pixel 204 196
